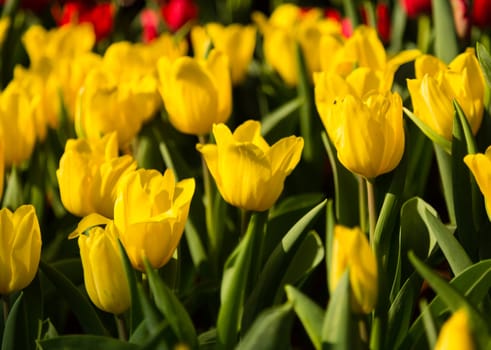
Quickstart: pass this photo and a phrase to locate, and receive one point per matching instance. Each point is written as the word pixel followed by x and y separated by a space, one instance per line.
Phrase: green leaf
pixel 454 299
pixel 338 328
pixel 446 47
pixel 265 288
pixel 135 313
pixel 310 314
pixel 451 248
pixel 13 196
pixel 485 62
pixel 79 304
pixel 309 254
pixel 196 249
pixel 345 188
pixel 172 309
pixel 13 319
pixel 271 120
pixel 269 330
pixel 233 287
pixel 429 324
pixel 467 199
pixel 85 342
pixel 432 135
pixel 473 283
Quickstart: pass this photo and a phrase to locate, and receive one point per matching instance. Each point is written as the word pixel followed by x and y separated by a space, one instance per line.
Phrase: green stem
pixel 208 202
pixel 444 161
pixel 372 211
pixel 121 326
pixel 362 203
pixel 5 307
pixel 424 33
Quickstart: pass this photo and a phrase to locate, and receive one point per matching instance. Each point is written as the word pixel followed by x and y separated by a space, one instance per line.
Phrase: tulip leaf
pixel 429 324
pixel 9 341
pixel 135 313
pixel 398 27
pixel 401 309
pixel 485 62
pixel 265 288
pixel 193 240
pixel 310 314
pixel 338 327
pixel 446 46
pixel 345 187
pixel 234 285
pixel 269 329
pixel 172 309
pixel 309 254
pixel 473 284
pixel 272 119
pixel 85 342
pixel 451 296
pixel 467 198
pixel 451 248
pixel 432 135
pixel 79 304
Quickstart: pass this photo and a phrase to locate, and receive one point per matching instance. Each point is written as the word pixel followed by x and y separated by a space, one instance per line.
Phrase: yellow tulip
pixel 352 251
pixel 368 134
pixel 167 45
pixel 150 213
pixel 104 275
pixel 248 172
pixel 436 85
pixel 2 165
pixel 17 124
pixel 286 28
pixel 89 173
pixel 480 166
pixel 455 333
pixel 236 41
pixel 362 49
pixel 20 248
pixel 196 93
pixel 4 26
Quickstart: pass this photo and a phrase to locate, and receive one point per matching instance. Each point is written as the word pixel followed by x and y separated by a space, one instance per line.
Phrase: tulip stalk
pixel 5 307
pixel 362 202
pixel 121 326
pixel 372 211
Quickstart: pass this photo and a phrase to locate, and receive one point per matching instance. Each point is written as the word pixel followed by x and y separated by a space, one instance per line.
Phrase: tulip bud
pixel 206 81
pixel 436 85
pixel 352 251
pixel 150 213
pixel 256 179
pixel 89 174
pixel 480 166
pixel 104 275
pixel 20 248
pixel 456 333
pixel 176 13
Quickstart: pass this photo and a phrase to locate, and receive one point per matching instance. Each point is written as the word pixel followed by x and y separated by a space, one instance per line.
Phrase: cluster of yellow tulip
pixel 125 210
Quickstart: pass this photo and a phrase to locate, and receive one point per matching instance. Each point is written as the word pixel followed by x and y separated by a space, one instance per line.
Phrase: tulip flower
pixel 287 27
pixel 196 93
pixel 248 172
pixel 481 16
pixel 2 165
pixel 368 133
pixel 436 85
pixel 104 275
pixel 480 166
pixel 236 41
pixel 352 251
pixel 456 333
pixel 89 173
pixel 20 248
pixel 415 8
pixel 150 212
pixel 100 16
pixel 17 124
pixel 4 26
pixel 176 13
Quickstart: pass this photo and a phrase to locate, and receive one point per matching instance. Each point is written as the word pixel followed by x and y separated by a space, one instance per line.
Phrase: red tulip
pixel 99 15
pixel 149 20
pixel 481 13
pixel 383 22
pixel 177 12
pixel 414 8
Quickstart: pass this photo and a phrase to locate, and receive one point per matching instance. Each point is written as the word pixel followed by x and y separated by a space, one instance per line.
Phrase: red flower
pixel 383 22
pixel 99 15
pixel 177 12
pixel 414 8
pixel 481 13
pixel 150 24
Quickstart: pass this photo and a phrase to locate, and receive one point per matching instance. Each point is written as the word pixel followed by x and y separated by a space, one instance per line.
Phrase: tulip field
pixel 224 174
